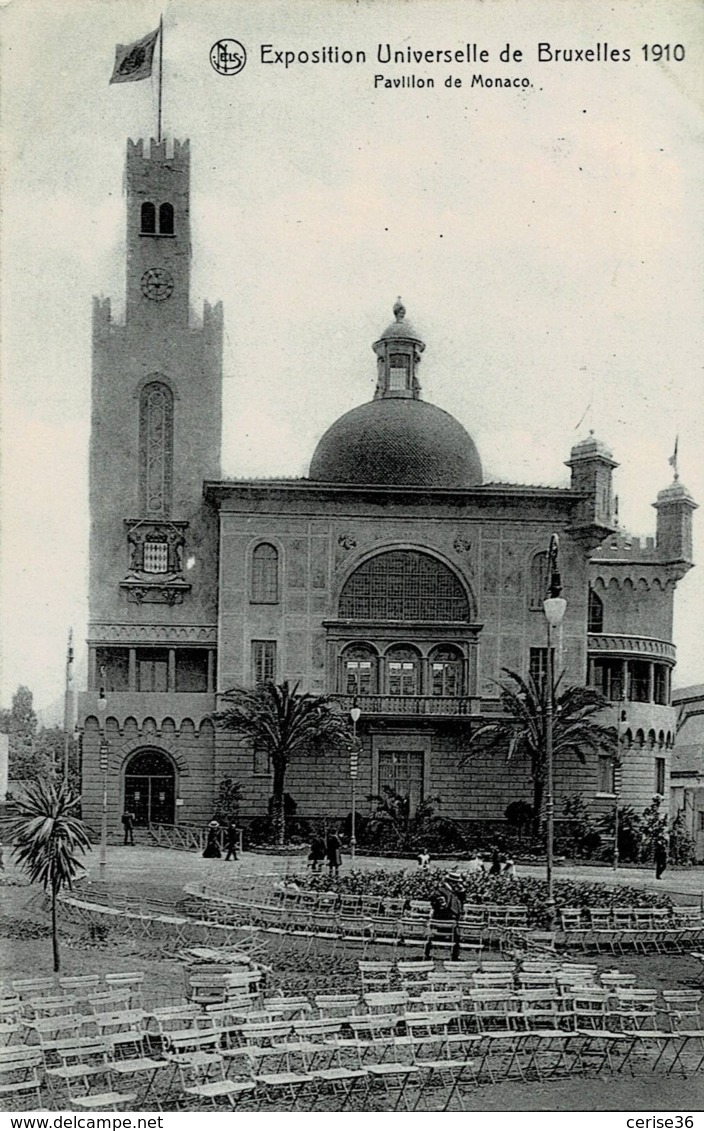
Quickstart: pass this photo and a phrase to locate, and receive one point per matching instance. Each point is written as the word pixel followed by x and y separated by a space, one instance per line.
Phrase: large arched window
pixel 445 671
pixel 156 436
pixel 359 670
pixel 265 574
pixel 150 787
pixel 166 219
pixel 595 613
pixel 403 585
pixel 148 219
pixel 538 580
pixel 402 670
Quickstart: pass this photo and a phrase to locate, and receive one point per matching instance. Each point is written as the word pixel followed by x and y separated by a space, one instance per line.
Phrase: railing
pixel 646 647
pixel 187 838
pixel 432 705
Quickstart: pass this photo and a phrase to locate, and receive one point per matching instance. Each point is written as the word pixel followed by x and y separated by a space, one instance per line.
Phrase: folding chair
pixel 80 986
pixel 493 981
pixel 288 1008
pixel 636 1014
pixel 322 1050
pixel 384 930
pixel 376 976
pixel 644 933
pixel 540 1016
pixel 443 933
pixel 277 1061
pixel 494 1013
pixel 132 980
pixel 87 1074
pixel 441 1054
pixel 384 1056
pixel 20 1079
pixel 337 1005
pixel 203 1077
pixel 415 976
pixel 601 930
pixel 591 1021
pixel 683 1012
pixel 110 1001
pixel 131 1059
pixel 389 1001
pixel 413 932
pixel 573 930
pixel 34 987
pixel 614 980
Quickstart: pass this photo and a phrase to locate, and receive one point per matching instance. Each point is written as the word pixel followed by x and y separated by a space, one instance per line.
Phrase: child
pixel 424 858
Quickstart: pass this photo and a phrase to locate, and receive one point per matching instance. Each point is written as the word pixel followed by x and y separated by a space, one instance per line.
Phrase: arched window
pixel 445 671
pixel 166 219
pixel 595 613
pixel 359 670
pixel 403 585
pixel 538 580
pixel 402 671
pixel 148 219
pixel 156 437
pixel 265 574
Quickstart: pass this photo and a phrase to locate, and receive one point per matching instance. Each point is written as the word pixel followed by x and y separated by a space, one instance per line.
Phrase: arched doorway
pixel 150 787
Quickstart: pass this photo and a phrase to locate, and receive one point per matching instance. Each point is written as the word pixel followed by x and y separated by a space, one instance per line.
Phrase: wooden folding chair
pixel 20 1074
pixel 87 1075
pixel 385 1056
pixel 685 1021
pixel 375 976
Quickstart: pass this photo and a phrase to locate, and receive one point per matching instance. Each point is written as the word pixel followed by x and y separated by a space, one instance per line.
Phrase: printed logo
pixel 228 57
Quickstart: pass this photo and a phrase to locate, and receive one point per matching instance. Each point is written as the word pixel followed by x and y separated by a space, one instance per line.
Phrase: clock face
pixel 157 284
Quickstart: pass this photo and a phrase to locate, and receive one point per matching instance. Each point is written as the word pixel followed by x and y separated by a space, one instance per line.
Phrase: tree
pixel 227 803
pixel 285 724
pixel 21 724
pixel 47 838
pixel 521 733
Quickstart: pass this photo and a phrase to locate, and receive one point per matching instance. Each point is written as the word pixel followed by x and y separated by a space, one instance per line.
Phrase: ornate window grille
pixel 403 585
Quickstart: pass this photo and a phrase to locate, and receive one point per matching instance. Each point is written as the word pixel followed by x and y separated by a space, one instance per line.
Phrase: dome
pixel 590 447
pixel 397 441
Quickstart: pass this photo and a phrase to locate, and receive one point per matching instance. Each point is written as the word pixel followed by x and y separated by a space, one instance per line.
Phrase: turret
pixel 399 349
pixel 592 465
pixel 674 525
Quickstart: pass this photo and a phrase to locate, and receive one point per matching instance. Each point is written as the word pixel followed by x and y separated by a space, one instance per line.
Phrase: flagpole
pixel 161 70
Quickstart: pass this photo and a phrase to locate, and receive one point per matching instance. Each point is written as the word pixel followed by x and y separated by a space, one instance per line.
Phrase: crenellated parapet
pixel 176 153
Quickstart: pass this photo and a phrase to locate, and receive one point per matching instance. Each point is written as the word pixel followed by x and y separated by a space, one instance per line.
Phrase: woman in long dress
pixel 212 845
pixel 333 851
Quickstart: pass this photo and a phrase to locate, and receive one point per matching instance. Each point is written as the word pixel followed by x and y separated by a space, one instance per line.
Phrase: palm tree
pixel 286 724
pixel 46 841
pixel 522 732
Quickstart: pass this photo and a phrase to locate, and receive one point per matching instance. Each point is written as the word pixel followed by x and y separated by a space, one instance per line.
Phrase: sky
pixel 546 240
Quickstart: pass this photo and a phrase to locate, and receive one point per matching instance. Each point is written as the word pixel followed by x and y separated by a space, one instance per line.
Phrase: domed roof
pixel 590 446
pixel 401 327
pixel 397 441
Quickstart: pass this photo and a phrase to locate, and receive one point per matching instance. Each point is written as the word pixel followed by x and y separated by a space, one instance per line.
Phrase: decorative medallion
pixel 347 541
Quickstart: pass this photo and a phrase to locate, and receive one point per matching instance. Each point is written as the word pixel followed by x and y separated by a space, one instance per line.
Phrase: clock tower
pixel 155 437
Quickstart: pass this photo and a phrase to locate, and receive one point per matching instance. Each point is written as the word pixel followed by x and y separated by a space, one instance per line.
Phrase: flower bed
pixel 483 888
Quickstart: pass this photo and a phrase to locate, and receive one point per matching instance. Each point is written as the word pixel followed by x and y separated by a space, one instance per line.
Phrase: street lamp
pixel 554 607
pixel 102 711
pixel 617 776
pixel 354 756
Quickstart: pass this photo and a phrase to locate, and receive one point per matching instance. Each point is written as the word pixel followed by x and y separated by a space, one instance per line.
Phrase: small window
pixel 263 661
pixel 538 665
pixel 595 614
pixel 152 669
pixel 359 671
pixel 156 557
pixel 192 669
pixel 660 776
pixel 701 820
pixel 265 574
pixel 660 684
pixel 607 677
pixel 399 372
pixel 403 672
pixel 445 672
pixel 166 219
pixel 148 219
pixel 261 766
pixel 402 771
pixel 639 681
pixel 605 774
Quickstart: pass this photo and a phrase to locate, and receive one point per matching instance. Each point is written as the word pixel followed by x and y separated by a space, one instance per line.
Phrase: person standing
pixel 333 851
pixel 212 846
pixel 476 864
pixel 317 853
pixel 128 825
pixel 232 840
pixel 660 855
pixel 495 869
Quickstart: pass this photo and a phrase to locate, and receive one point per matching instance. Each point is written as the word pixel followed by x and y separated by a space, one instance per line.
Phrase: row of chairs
pixel 490 973
pixel 617 929
pixel 395 1052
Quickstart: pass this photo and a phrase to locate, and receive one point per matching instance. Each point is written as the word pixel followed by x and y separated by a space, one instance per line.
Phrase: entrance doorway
pixel 150 788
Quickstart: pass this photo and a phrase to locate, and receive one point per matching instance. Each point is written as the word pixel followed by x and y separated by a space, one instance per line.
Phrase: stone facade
pixel 392 574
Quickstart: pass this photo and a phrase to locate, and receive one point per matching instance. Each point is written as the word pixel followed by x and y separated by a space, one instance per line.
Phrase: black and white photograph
pixel 352 686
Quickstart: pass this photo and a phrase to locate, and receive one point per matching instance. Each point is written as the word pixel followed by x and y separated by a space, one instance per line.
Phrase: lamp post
pixel 617 775
pixel 102 710
pixel 554 607
pixel 354 756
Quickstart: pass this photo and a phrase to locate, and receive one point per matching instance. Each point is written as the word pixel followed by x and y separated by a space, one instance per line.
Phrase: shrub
pixel 681 843
pixel 483 888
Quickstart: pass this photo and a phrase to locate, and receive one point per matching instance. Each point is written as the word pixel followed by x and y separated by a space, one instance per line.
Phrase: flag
pixel 134 62
pixel 673 458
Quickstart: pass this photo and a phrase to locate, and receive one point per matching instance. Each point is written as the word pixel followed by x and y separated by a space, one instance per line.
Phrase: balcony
pixel 412 706
pixel 141 705
pixel 641 647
